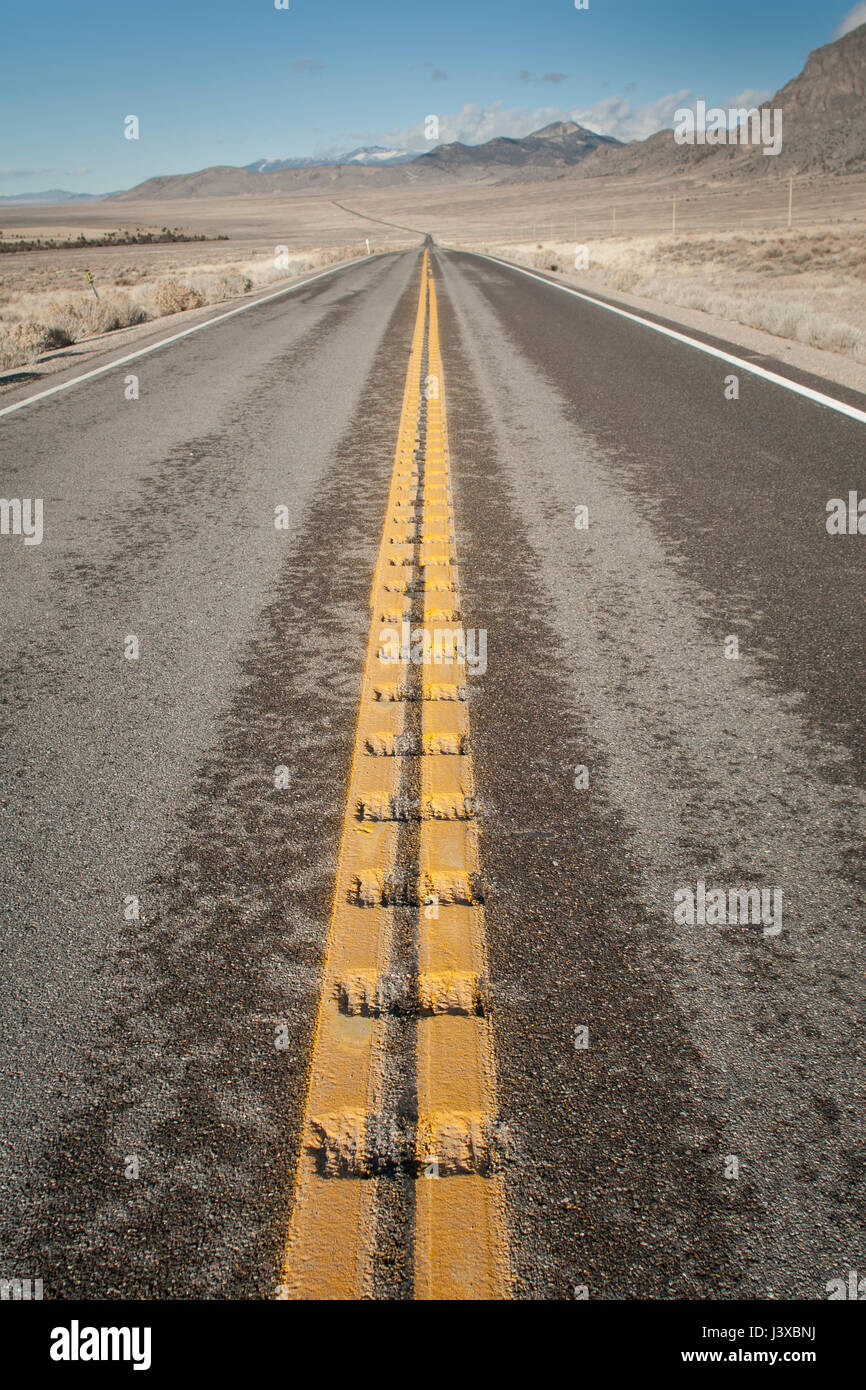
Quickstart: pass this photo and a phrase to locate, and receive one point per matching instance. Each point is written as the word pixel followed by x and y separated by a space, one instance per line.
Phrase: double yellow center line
pixel 411 799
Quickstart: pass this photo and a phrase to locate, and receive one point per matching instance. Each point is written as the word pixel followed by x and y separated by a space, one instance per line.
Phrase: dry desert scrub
pixel 807 286
pixel 59 322
pixel 36 323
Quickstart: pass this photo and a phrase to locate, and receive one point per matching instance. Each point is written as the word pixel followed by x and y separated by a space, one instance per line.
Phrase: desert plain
pixel 787 257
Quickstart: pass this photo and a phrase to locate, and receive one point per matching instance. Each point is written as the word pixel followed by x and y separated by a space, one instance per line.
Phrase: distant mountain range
pixel 53 195
pixel 562 143
pixel 555 149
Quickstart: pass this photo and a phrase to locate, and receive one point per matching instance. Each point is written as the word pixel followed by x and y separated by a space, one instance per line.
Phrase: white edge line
pixel 184 333
pixel 818 396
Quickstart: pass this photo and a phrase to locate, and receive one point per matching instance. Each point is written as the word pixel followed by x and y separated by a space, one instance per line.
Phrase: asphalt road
pixel 152 1039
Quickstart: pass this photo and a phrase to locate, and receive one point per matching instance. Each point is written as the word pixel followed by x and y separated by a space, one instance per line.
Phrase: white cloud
pixel 853 19
pixel 474 123
pixel 752 96
pixel 617 115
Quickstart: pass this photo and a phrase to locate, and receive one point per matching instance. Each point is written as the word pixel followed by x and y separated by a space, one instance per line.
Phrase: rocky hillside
pixel 823 128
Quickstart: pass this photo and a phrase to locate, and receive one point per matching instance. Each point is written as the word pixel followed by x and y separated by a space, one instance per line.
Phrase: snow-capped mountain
pixel 364 154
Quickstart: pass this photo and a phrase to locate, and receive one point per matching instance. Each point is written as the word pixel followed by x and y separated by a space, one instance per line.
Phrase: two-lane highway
pixel 678 1104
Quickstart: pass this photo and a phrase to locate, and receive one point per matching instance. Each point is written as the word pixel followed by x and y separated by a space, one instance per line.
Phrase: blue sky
pixel 229 81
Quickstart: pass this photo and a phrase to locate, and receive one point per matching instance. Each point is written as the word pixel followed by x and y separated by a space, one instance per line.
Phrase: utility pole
pixel 790 200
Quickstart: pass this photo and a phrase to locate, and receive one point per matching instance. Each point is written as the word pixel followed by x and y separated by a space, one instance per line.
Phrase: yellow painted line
pixel 407 766
pixel 460 1239
pixel 332 1228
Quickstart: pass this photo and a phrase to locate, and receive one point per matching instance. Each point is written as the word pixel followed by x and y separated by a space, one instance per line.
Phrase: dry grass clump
pixel 24 342
pixel 82 316
pixel 231 285
pixel 65 321
pixel 171 297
